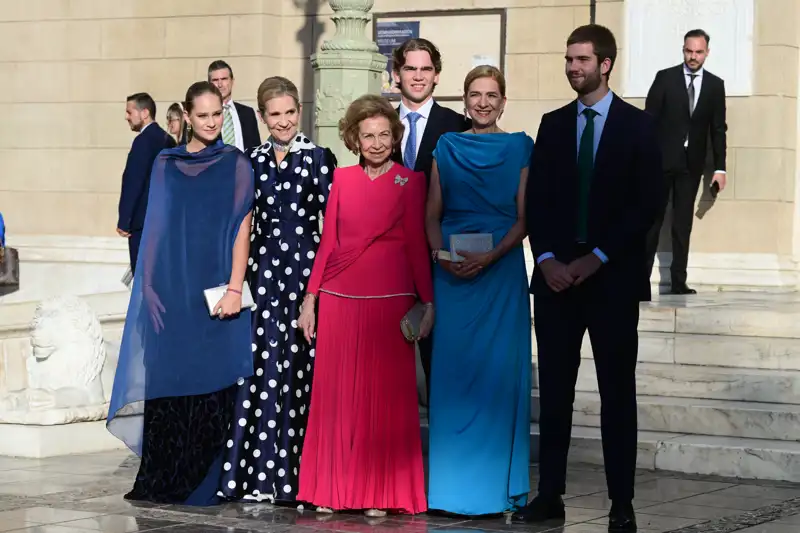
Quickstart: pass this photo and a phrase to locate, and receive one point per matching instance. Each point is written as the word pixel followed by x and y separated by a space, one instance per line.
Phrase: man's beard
pixel 694 67
pixel 590 83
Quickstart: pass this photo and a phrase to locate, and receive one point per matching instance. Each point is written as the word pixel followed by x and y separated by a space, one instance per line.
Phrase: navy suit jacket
pixel 627 190
pixel 247 118
pixel 136 177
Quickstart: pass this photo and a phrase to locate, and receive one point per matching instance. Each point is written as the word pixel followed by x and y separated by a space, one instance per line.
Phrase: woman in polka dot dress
pixel 293 178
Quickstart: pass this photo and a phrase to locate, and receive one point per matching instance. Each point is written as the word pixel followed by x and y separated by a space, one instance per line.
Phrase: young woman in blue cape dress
pixel 172 401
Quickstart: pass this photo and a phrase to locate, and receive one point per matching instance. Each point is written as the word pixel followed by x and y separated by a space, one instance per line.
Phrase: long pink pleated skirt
pixel 362 448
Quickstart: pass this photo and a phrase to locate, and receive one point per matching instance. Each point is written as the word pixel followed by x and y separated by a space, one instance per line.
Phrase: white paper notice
pixel 484 60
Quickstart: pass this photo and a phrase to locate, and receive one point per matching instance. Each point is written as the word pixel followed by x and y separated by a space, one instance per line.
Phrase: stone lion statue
pixel 69 368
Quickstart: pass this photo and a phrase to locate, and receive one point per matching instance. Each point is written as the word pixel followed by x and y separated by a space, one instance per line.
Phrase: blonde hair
pixel 368 106
pixel 275 87
pixel 485 71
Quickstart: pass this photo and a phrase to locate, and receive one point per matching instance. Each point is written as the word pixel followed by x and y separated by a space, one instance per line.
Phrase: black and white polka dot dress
pixel 262 459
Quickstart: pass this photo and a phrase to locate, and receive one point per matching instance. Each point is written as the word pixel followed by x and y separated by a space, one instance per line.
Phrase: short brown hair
pixel 219 64
pixel 486 71
pixel 368 106
pixel 698 33
pixel 275 87
pixel 416 45
pixel 602 40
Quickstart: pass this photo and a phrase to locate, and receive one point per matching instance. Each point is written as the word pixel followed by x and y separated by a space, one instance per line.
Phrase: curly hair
pixel 368 106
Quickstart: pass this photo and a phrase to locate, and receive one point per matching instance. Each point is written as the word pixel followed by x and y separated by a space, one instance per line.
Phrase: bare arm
pixel 241 253
pixel 518 231
pixel 433 210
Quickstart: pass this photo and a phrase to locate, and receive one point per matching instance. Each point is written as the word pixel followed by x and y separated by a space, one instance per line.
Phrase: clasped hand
pixel 559 276
pixel 471 266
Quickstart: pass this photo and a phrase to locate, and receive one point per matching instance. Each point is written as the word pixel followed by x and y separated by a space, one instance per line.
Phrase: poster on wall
pixel 390 35
pixel 453 33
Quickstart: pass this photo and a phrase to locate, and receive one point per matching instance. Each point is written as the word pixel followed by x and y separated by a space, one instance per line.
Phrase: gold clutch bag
pixel 411 322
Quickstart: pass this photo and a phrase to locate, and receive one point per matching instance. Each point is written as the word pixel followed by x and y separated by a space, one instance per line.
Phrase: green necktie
pixel 228 131
pixel 585 171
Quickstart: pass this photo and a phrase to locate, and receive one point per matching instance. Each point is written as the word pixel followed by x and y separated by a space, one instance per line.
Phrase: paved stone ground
pixel 83 494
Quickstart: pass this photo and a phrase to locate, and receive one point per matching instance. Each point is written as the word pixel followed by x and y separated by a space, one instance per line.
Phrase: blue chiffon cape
pixel 170 345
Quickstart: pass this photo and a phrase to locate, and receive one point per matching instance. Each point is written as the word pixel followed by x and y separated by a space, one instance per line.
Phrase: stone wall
pixel 68 65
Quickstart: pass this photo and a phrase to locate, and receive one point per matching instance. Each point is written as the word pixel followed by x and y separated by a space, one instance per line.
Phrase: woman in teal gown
pixel 479 414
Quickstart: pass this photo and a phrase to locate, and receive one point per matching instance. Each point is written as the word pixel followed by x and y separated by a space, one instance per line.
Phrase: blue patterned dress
pixel 271 410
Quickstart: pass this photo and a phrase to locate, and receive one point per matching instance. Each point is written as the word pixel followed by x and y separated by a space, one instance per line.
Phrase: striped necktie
pixel 228 132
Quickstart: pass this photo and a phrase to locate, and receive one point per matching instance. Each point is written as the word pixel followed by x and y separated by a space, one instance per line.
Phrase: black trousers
pixel 425 352
pixel 683 186
pixel 561 319
pixel 133 247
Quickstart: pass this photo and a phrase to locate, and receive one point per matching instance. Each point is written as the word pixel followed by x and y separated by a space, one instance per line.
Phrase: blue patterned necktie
pixel 410 152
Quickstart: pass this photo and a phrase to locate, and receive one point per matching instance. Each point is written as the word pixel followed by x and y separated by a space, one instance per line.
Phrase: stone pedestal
pixel 347 67
pixel 57 363
pixel 38 442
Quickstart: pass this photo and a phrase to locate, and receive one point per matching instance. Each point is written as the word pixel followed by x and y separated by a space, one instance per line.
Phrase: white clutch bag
pixel 478 243
pixel 215 294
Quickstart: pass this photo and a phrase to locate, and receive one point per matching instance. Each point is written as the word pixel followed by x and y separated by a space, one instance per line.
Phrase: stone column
pixel 347 67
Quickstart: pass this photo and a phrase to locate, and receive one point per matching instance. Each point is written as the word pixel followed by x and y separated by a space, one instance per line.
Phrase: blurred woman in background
pixel 176 124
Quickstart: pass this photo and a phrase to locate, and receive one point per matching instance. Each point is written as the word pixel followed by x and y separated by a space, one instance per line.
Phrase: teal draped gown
pixel 479 412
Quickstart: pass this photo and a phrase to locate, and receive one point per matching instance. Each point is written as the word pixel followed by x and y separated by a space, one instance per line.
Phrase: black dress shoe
pixel 682 289
pixel 541 509
pixel 621 518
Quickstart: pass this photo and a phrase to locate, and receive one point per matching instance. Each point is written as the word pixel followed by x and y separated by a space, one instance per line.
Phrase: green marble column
pixel 347 66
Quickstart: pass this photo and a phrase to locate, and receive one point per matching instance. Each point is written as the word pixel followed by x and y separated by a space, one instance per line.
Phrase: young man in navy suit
pixel 140 112
pixel 416 65
pixel 594 191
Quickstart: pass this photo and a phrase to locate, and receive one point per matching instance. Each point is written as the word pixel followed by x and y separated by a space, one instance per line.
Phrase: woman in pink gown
pixel 362 447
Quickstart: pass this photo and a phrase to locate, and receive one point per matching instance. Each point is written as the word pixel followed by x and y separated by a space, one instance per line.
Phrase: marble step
pixel 692 416
pixel 712 350
pixel 725 314
pixel 691 454
pixel 696 454
pixel 716 383
pixel 737 315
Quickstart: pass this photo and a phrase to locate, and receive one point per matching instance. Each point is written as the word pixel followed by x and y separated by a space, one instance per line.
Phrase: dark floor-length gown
pixel 271 408
pixel 172 397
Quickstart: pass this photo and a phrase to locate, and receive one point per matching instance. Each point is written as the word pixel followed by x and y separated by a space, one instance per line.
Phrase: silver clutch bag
pixel 215 294
pixel 411 322
pixel 478 243
pixel 127 278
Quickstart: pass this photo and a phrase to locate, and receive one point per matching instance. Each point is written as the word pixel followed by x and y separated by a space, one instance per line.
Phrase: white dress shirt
pixel 237 126
pixel 424 113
